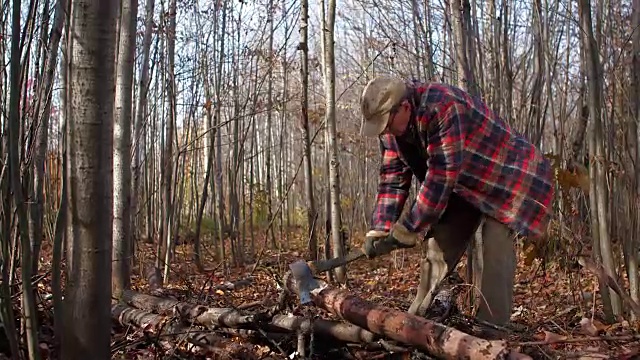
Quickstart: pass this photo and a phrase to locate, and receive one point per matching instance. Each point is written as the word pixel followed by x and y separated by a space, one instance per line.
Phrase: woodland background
pixel 202 137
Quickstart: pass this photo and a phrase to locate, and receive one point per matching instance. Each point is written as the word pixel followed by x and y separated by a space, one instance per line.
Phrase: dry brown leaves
pixel 553 308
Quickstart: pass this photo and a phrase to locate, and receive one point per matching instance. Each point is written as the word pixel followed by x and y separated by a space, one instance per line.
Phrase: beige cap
pixel 379 96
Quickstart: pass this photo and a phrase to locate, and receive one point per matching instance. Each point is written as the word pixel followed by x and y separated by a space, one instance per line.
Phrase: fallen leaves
pixel 549 308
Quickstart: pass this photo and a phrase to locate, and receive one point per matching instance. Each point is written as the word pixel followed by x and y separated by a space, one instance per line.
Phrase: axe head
pixel 304 280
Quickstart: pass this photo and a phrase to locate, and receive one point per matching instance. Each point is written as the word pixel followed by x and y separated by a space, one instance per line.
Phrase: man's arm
pixel 445 149
pixel 393 186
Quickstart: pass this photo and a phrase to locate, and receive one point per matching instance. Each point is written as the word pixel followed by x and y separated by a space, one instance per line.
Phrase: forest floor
pixel 554 316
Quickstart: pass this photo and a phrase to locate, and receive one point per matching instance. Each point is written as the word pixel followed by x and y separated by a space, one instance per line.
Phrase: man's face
pixel 399 119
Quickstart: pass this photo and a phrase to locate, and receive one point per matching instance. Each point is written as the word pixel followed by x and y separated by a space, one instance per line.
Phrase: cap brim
pixel 374 127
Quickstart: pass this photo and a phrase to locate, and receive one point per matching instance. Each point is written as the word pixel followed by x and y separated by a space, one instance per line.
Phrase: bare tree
pixel 269 127
pixel 597 194
pixel 42 137
pixel 90 171
pixel 141 109
pixel 28 301
pixel 535 125
pixel 122 239
pixel 632 261
pixel 303 47
pixel 328 27
pixel 169 156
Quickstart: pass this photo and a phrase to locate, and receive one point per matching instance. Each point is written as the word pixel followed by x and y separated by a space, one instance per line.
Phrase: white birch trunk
pixel 122 240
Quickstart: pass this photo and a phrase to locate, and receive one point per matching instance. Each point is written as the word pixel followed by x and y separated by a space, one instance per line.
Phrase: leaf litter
pixel 554 316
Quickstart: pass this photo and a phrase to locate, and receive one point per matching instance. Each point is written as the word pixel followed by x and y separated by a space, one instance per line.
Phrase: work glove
pixel 380 243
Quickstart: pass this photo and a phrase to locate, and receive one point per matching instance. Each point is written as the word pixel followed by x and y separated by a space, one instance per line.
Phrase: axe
pixel 303 272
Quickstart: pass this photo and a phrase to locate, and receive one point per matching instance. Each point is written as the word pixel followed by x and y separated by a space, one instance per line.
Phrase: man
pixel 472 167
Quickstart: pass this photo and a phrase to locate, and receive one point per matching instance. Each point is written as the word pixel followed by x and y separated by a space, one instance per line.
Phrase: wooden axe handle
pixel 326 265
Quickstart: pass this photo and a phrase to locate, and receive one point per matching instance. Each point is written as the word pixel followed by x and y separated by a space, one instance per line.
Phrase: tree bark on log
pixel 158 324
pixel 336 329
pixel 150 312
pixel 434 338
pixel 192 313
pixel 166 327
pixel 281 326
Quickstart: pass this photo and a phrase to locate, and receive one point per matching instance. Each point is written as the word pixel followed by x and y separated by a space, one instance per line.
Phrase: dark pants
pixel 494 265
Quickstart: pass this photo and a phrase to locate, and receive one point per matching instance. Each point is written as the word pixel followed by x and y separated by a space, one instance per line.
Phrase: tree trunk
pixel 42 137
pixel 534 125
pixel 430 70
pixel 494 44
pixel 269 129
pixel 602 245
pixel 168 159
pixel 219 190
pixel 304 116
pixel 467 81
pixel 328 25
pixel 87 298
pixel 632 267
pixel 141 112
pixel 159 111
pixel 209 149
pixel 122 240
pixel 506 63
pixel 28 302
pixel 465 76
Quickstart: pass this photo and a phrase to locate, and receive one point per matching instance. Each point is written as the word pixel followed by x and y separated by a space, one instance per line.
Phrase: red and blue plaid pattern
pixel 472 152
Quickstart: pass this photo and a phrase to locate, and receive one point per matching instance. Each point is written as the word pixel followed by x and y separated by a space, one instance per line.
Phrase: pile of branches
pixel 338 324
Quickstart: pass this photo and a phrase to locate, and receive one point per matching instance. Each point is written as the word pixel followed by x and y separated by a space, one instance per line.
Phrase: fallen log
pixel 159 325
pixel 427 335
pixel 226 317
pixel 229 318
pixel 192 313
pixel 335 329
pixel 163 327
pixel 159 305
pixel 282 326
pixel 127 316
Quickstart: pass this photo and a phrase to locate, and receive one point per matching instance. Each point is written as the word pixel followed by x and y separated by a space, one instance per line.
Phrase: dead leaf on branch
pixel 207 105
pixel 569 179
pixel 576 175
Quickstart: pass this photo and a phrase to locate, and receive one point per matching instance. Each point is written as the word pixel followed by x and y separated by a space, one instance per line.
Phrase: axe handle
pixel 326 265
pixel 330 264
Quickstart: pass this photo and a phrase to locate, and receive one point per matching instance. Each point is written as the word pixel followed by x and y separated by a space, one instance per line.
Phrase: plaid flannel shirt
pixel 472 152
